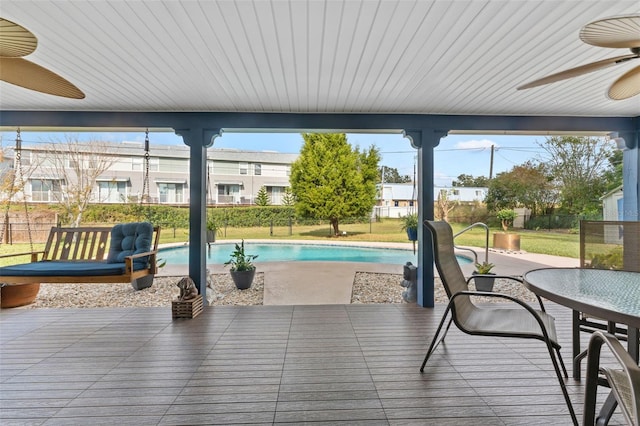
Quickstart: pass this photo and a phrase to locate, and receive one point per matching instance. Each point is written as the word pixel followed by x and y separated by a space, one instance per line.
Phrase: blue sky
pixel 456 154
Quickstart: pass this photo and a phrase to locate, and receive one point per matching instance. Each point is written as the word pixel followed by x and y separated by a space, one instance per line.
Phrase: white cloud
pixel 476 144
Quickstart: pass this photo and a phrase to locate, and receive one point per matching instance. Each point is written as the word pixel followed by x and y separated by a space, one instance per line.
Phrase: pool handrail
pixel 486 245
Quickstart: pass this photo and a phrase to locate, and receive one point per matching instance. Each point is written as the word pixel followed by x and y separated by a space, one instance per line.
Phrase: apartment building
pixel 233 176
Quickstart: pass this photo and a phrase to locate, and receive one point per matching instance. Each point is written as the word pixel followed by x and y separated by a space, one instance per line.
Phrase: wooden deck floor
pixel 350 364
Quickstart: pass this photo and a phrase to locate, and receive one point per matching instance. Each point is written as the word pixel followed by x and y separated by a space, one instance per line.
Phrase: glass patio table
pixel 607 294
pixel 613 296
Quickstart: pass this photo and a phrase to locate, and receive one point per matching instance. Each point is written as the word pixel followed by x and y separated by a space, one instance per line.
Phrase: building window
pixel 288 170
pixel 228 194
pixel 411 203
pixel 171 193
pixel 257 169
pixel 396 203
pixel 275 193
pixel 46 189
pixel 244 168
pixel 112 192
pixel 136 164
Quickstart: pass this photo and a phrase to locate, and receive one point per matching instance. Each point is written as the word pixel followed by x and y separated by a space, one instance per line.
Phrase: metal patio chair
pixel 520 320
pixel 624 382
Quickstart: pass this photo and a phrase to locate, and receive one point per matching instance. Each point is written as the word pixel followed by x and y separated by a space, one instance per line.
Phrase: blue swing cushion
pixel 128 239
pixel 63 268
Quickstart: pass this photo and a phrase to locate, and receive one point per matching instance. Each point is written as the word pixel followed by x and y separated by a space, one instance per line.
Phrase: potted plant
pixel 482 276
pixel 212 229
pixel 505 240
pixel 410 224
pixel 242 269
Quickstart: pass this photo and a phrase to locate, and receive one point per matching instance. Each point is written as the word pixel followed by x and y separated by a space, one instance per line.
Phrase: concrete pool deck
pixel 327 283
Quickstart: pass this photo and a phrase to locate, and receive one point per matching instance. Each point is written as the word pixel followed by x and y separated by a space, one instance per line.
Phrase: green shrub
pixel 506 217
pixel 611 260
pixel 165 216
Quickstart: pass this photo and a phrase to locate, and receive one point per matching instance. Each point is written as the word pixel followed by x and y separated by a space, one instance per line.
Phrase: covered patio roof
pixel 425 68
pixel 346 56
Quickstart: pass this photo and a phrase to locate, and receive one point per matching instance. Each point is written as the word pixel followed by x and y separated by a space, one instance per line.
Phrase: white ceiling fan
pixel 16 42
pixel 614 32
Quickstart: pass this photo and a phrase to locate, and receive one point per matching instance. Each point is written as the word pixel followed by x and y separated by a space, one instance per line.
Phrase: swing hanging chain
pixel 12 188
pixel 145 180
pixel 22 185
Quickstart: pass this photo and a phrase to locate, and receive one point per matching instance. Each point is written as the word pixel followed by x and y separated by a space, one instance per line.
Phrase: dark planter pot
pixel 412 234
pixel 484 283
pixel 243 279
pixel 211 236
pixel 19 295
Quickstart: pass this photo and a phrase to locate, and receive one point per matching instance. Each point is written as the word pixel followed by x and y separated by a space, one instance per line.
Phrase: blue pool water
pixel 219 253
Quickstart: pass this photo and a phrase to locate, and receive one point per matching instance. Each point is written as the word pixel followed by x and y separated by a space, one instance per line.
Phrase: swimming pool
pixel 220 253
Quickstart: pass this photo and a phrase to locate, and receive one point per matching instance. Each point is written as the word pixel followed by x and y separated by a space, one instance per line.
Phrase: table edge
pixel 607 314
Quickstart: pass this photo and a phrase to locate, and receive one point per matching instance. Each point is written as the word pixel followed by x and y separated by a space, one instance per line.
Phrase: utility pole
pixel 491 163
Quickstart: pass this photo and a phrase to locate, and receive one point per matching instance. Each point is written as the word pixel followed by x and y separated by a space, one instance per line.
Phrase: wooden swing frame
pixel 88 245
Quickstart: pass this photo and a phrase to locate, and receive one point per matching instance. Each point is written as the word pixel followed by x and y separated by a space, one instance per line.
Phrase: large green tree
pixel 332 180
pixel 613 174
pixel 578 164
pixel 526 185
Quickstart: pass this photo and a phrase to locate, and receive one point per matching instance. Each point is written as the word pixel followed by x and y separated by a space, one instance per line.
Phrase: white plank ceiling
pixel 389 56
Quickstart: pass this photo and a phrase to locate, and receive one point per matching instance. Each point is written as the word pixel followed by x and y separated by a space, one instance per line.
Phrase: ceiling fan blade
pixel 26 74
pixel 615 32
pixel 574 72
pixel 15 40
pixel 626 86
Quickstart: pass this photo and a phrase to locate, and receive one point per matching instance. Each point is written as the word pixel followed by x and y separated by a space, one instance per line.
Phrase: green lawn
pixel 388 230
pixel 556 243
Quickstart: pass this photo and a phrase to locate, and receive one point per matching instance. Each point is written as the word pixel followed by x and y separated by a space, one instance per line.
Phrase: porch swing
pixel 79 255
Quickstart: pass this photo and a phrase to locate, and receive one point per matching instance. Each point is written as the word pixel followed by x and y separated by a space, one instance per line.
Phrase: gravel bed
pixel 367 288
pixel 222 291
pixel 386 288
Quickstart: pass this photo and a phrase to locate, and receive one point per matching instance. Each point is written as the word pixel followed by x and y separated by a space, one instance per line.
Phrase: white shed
pixel 612 204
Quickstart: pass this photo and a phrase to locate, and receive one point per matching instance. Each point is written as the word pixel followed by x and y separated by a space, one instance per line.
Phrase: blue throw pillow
pixel 128 239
